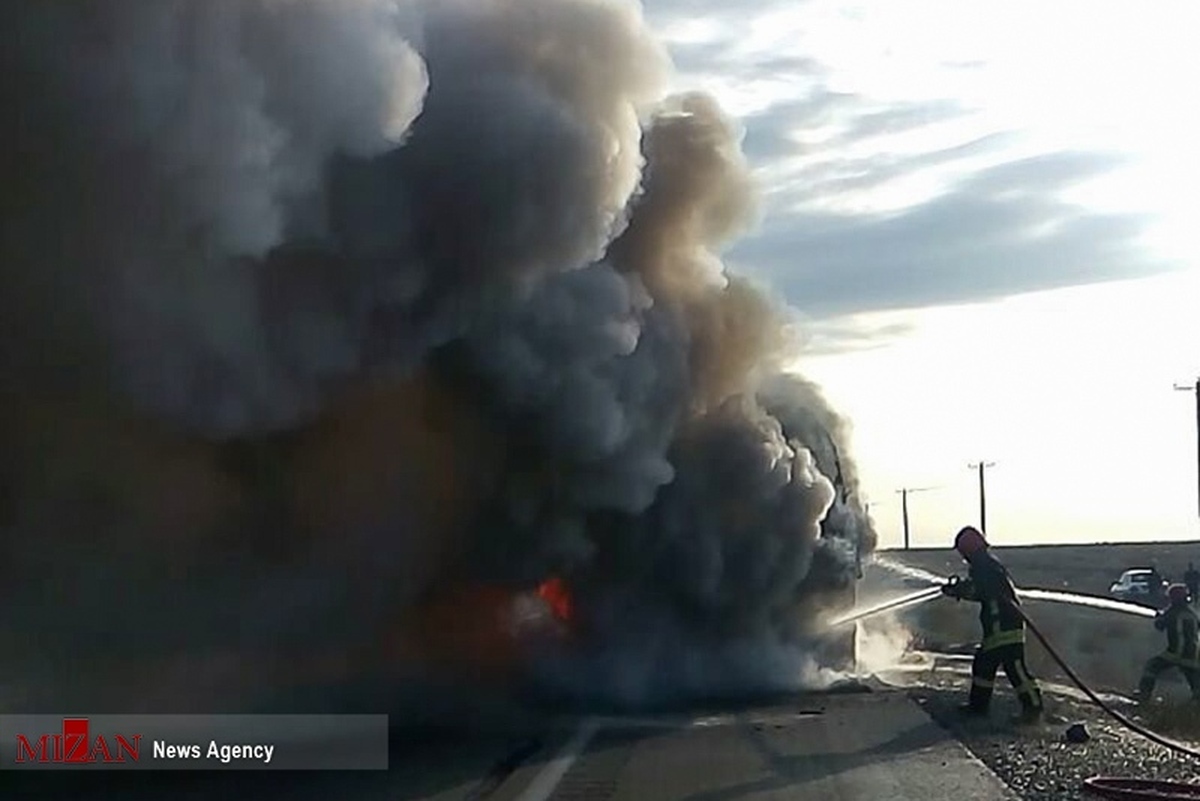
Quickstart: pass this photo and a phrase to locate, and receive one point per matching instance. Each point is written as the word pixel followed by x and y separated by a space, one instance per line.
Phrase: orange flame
pixel 477 630
pixel 556 595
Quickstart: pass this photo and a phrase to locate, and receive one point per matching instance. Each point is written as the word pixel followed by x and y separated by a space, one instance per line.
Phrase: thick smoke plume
pixel 317 309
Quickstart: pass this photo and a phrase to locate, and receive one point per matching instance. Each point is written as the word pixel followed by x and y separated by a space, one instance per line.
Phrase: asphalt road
pixel 873 745
pixel 866 745
pixel 861 746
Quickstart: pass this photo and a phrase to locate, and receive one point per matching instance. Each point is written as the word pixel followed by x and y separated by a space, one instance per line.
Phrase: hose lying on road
pixel 1137 789
pixel 1123 788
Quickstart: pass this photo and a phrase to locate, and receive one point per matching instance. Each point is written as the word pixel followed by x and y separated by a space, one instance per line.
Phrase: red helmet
pixel 969 541
pixel 1178 593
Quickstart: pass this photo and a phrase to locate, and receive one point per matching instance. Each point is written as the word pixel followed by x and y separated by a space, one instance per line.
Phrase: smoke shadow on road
pixel 693 705
pixel 793 772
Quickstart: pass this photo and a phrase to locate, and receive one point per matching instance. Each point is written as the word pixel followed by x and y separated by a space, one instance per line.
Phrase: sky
pixel 984 214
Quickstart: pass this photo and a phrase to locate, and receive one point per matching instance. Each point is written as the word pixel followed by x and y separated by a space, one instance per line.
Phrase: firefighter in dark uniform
pixel 1180 623
pixel 1003 643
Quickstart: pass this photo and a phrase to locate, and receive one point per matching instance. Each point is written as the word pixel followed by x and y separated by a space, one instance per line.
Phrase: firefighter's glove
pixel 957 588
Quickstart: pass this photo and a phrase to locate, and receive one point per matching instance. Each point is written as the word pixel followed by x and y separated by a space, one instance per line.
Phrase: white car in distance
pixel 1138 585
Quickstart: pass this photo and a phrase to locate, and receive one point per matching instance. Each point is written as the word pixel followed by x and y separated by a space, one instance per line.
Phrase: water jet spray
pixel 921 596
pixel 903 602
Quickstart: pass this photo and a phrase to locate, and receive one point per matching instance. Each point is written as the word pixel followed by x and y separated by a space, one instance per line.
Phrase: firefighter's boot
pixel 1028 716
pixel 972 711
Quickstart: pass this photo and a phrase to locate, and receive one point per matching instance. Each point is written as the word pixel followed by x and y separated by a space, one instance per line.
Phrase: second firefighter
pixel 1179 623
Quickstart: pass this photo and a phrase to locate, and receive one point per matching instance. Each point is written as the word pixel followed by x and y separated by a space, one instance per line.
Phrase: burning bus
pixel 638 598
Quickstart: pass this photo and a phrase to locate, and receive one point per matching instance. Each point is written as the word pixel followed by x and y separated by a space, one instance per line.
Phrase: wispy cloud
pixel 851 333
pixel 913 179
pixel 1003 231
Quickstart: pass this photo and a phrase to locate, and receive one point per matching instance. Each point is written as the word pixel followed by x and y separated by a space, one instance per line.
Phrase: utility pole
pixel 903 493
pixel 981 467
pixel 1196 390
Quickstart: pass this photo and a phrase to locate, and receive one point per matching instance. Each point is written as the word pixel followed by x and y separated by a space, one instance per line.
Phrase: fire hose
pixel 1105 786
pixel 1109 787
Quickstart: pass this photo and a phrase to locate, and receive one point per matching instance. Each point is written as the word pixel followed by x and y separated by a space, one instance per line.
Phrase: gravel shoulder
pixel 1039 763
pixel 1108 650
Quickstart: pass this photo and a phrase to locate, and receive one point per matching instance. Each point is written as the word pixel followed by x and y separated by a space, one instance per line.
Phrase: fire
pixel 482 632
pixel 553 591
pixel 482 629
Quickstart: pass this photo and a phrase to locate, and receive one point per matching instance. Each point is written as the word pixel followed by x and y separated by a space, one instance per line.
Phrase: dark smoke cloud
pixel 314 309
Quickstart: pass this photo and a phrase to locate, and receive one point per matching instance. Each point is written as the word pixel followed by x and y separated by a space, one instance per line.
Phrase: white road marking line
pixel 714 720
pixel 604 722
pixel 547 780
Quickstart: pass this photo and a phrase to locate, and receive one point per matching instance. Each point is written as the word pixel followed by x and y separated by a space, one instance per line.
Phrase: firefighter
pixel 1180 623
pixel 1192 579
pixel 1003 643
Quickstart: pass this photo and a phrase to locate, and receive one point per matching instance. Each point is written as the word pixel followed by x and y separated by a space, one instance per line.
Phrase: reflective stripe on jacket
pixel 991 586
pixel 1180 624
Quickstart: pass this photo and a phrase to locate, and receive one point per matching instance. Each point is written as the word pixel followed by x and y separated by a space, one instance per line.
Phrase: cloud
pixel 1002 231
pixel 661 11
pixel 902 117
pixel 773 134
pixel 822 180
pixel 964 64
pixel 770 133
pixel 708 38
pixel 851 334
pixel 725 58
pixel 902 190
